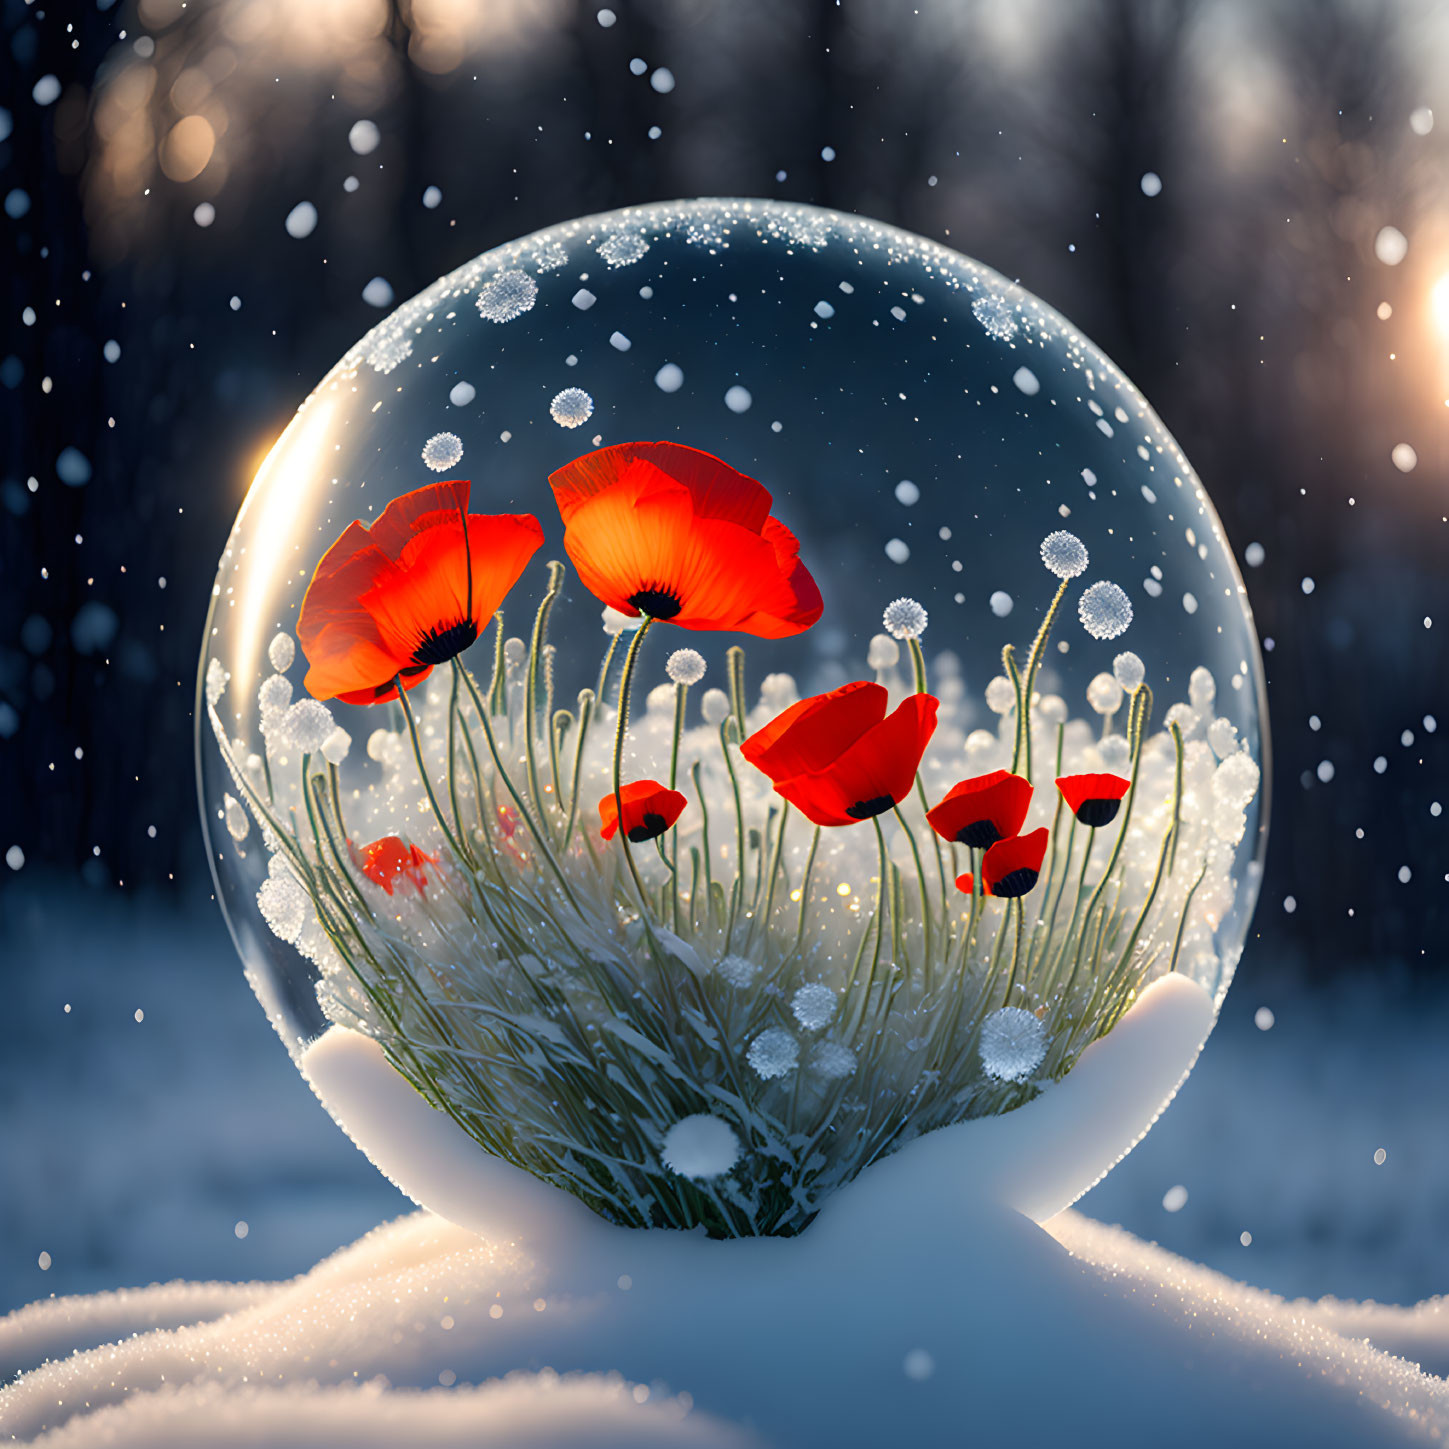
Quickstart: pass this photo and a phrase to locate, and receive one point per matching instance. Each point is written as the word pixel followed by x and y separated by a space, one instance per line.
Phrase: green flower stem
pixel 453 843
pixel 608 660
pixel 621 728
pixel 694 770
pixel 586 714
pixel 335 787
pixel 1018 913
pixel 530 694
pixel 498 684
pixel 764 916
pixel 681 692
pixel 1009 667
pixel 1182 919
pixel 737 890
pixel 1033 663
pixel 805 889
pixel 563 722
pixel 452 779
pixel 925 895
pixel 940 856
pixel 533 828
pixel 735 663
pixel 918 664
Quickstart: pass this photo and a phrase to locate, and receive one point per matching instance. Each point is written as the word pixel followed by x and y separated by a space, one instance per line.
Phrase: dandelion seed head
pixel 884 652
pixel 216 680
pixel 813 1006
pixel 274 695
pixel 685 666
pixel 1104 694
pixel 737 970
pixel 1000 695
pixel 832 1060
pixel 442 451
pixel 1051 709
pixel 778 692
pixel 571 408
pixel 774 1053
pixel 281 652
pixel 1105 610
pixel 715 706
pixel 1064 554
pixel 336 746
pixel 1202 689
pixel 701 1146
pixel 510 294
pixel 1235 781
pixel 1184 716
pixel 1116 754
pixel 307 725
pixel 1013 1044
pixel 1129 670
pixel 1222 735
pixel 904 619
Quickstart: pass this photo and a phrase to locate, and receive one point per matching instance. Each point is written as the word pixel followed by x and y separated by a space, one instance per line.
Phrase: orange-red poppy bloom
pixel 980 811
pixel 839 758
pixel 649 810
pixel 1093 799
pixel 966 883
pixel 1011 867
pixel 394 598
pixel 385 860
pixel 673 533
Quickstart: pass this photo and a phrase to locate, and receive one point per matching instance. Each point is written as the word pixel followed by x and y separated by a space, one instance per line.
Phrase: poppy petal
pixel 649 810
pixel 982 810
pixel 812 734
pixel 1093 799
pixel 1012 867
pixel 966 883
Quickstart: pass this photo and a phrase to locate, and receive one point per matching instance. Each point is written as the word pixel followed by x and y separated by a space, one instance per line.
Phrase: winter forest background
pixel 1246 205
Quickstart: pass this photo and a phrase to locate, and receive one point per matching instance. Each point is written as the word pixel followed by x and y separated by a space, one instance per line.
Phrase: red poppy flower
pixel 983 810
pixel 966 883
pixel 392 599
pixel 1011 867
pixel 386 859
pixel 1093 799
pixel 673 533
pixel 839 757
pixel 649 810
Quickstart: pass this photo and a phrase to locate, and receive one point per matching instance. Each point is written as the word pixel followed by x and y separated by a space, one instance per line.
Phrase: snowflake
pixel 442 451
pixel 572 408
pixel 622 248
pixel 1013 1044
pixel 996 316
pixel 1105 610
pixel 510 294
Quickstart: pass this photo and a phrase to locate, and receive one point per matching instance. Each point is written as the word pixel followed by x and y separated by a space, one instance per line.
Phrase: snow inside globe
pixel 713 693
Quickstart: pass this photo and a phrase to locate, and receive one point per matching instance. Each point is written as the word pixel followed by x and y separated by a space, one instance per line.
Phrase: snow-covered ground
pixel 134 1149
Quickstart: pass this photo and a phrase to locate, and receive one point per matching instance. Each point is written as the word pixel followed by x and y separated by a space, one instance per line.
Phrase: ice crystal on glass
pixel 996 316
pixel 509 295
pixel 622 248
pixel 1013 1044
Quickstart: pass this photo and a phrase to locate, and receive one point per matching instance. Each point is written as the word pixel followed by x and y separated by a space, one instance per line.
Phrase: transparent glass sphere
pixel 863 466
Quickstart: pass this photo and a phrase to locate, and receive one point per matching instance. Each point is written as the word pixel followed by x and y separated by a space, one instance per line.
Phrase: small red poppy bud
pixel 385 860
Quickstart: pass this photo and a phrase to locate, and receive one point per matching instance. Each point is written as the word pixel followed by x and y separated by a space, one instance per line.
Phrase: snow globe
pixel 722 711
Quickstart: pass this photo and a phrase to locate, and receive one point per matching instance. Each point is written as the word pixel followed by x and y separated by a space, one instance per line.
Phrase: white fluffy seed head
pixel 1222 735
pixel 274 695
pixel 685 666
pixel 1202 688
pixel 282 651
pixel 737 970
pixel 283 905
pixel 216 680
pixel 1116 754
pixel 715 706
pixel 1235 781
pixel 774 1053
pixel 1013 1044
pixel 813 1006
pixel 1051 709
pixel 307 725
pixel 1104 694
pixel 904 619
pixel 1000 696
pixel 884 652
pixel 1129 670
pixel 701 1146
pixel 1105 610
pixel 1064 554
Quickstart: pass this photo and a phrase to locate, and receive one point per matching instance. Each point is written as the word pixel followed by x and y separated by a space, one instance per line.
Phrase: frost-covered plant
pixel 702 973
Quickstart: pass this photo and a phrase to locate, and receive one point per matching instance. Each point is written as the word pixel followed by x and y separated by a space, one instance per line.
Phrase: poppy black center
pixel 865 809
pixel 1097 813
pixel 441 644
pixel 979 835
pixel 656 603
pixel 1015 882
pixel 652 825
